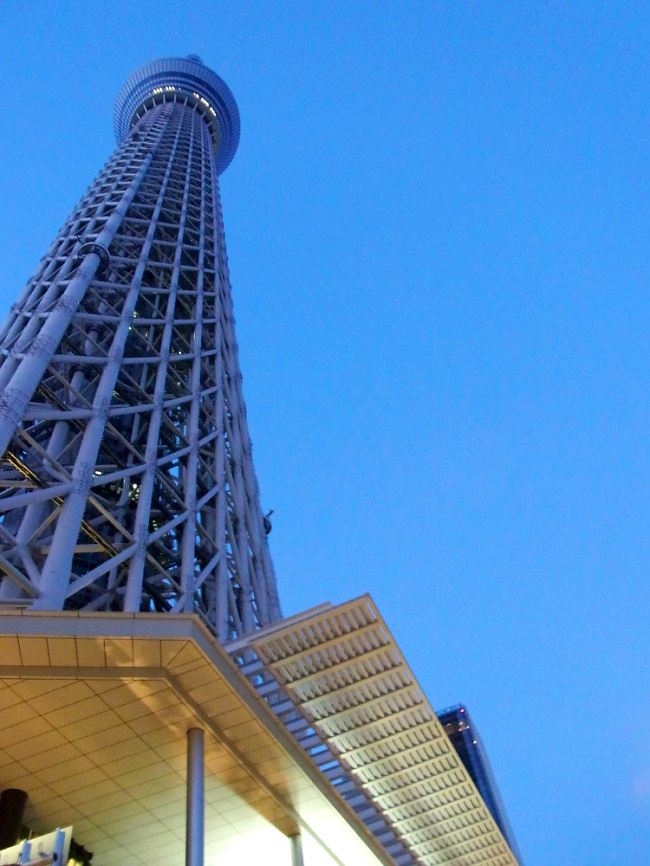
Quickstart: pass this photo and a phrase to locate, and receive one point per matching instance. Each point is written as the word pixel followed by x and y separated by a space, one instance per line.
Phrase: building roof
pixel 94 710
pixel 343 668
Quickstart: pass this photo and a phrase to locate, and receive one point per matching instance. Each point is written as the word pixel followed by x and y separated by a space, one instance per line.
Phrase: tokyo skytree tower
pixel 126 478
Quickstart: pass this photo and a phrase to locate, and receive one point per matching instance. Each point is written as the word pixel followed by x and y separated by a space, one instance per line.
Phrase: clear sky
pixel 438 224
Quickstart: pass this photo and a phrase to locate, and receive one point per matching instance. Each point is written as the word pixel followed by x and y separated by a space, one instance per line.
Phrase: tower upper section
pixel 189 80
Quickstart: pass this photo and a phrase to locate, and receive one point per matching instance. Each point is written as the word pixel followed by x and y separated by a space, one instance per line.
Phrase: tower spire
pixel 126 478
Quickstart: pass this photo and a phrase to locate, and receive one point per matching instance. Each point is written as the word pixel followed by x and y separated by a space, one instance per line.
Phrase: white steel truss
pixel 126 478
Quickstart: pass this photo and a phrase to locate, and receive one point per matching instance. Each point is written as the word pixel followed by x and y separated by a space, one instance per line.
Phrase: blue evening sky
pixel 438 224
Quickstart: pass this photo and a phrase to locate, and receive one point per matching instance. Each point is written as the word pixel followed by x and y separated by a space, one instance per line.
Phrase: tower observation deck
pixel 126 477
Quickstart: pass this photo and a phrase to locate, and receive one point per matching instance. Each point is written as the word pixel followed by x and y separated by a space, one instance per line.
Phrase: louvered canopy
pixel 343 668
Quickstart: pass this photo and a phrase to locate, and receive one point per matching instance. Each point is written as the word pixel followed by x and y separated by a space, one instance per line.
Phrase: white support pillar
pixel 194 832
pixel 297 858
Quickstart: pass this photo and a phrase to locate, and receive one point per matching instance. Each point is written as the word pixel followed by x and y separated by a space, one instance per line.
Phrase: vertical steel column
pixel 132 599
pixel 297 858
pixel 194 829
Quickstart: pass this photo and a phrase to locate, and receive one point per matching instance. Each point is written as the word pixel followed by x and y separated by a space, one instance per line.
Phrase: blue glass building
pixel 465 739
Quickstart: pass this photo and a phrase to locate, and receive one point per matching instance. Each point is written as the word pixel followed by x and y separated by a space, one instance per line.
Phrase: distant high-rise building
pixel 126 475
pixel 467 742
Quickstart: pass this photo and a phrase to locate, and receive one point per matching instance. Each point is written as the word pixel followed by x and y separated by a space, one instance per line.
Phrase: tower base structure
pixel 319 744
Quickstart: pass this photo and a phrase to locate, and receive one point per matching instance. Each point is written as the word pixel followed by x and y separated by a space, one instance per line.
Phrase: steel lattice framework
pixel 127 481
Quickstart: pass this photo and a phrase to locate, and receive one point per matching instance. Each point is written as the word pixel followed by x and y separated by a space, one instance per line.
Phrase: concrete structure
pixel 314 727
pixel 151 695
pixel 94 715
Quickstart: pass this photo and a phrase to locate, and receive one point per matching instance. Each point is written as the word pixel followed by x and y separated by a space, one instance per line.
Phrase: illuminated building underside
pixel 94 710
pixel 348 752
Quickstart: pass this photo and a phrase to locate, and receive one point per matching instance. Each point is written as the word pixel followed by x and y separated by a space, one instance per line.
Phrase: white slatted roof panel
pixel 344 670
